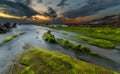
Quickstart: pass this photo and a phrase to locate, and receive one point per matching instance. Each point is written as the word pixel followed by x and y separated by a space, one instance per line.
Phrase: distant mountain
pixel 108 20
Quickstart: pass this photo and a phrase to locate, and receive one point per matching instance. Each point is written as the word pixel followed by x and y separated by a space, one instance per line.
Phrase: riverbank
pixel 104 37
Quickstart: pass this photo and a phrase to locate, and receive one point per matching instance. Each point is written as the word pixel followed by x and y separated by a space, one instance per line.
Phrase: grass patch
pixel 49 62
pixel 98 42
pixel 49 37
pixel 27 70
pixel 11 37
pixel 25 60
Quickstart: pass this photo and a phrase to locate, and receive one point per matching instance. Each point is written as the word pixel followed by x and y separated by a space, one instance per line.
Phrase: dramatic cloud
pixel 27 2
pixel 17 8
pixel 92 7
pixel 51 13
pixel 62 3
pixel 40 1
pixel 58 10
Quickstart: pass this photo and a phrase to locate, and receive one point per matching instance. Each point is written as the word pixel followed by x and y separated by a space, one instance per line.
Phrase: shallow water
pixel 10 50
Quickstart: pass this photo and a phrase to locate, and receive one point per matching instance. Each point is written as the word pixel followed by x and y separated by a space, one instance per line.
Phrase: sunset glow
pixel 77 20
pixel 11 16
pixel 40 18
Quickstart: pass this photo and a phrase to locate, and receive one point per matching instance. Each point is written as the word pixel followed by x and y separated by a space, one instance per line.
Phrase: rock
pixel 14 25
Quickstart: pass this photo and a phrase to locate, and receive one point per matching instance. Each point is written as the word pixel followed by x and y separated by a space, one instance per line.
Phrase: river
pixel 33 36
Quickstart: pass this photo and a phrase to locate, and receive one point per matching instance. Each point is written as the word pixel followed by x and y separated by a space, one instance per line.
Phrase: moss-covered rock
pixel 49 37
pixel 76 47
pixel 84 49
pixel 65 43
pixel 94 53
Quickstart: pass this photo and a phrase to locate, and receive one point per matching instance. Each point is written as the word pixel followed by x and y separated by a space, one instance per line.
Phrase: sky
pixel 66 11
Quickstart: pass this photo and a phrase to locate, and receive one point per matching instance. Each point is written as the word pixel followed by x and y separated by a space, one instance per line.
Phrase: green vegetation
pixel 25 60
pixel 77 47
pixel 66 44
pixel 107 33
pixel 98 42
pixel 95 54
pixel 9 38
pixel 27 70
pixel 49 62
pixel 49 37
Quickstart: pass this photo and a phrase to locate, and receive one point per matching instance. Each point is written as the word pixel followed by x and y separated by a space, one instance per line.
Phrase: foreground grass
pixel 11 37
pixel 107 33
pixel 98 42
pixel 41 61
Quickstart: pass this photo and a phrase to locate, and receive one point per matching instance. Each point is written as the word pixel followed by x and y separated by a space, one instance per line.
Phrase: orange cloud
pixel 11 16
pixel 80 19
pixel 35 18
pixel 40 18
pixel 77 20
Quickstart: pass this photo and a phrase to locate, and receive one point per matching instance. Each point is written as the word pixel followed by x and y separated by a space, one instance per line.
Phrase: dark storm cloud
pixel 56 21
pixel 28 2
pixel 90 2
pixel 17 8
pixel 92 7
pixel 62 3
pixel 40 1
pixel 51 13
